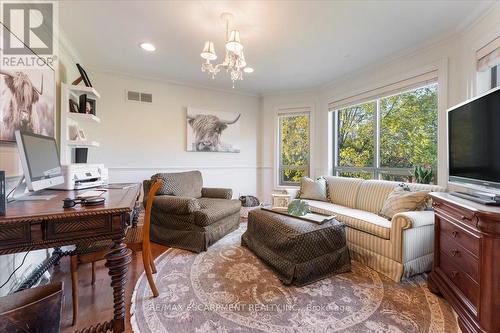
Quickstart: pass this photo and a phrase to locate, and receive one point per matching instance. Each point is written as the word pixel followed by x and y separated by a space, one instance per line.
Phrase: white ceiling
pixel 290 44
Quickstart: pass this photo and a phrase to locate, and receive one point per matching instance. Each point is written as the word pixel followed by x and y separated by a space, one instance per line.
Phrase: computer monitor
pixel 40 160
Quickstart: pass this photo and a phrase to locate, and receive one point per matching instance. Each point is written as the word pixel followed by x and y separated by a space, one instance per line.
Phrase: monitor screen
pixel 41 156
pixel 474 140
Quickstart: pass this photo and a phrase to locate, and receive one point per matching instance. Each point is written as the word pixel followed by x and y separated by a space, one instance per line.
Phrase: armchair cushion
pixel 212 210
pixel 217 193
pixel 176 205
pixel 181 184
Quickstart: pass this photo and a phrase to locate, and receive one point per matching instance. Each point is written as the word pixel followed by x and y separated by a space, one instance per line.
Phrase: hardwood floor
pixel 96 302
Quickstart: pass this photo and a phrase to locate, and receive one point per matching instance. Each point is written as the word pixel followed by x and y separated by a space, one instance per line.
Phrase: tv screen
pixel 474 141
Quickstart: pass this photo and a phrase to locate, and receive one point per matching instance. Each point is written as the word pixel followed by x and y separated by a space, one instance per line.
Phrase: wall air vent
pixel 135 96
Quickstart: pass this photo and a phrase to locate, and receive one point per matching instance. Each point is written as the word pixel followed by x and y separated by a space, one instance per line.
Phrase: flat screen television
pixel 474 141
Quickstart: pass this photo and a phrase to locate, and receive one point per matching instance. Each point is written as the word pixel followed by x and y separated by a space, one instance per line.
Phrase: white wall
pixel 453 58
pixel 138 140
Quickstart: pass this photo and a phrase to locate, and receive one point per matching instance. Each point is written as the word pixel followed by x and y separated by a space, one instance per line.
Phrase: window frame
pixel 298 109
pixel 376 170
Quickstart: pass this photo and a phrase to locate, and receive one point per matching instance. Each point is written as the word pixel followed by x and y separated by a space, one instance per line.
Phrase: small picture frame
pixel 84 76
pixel 90 106
pixel 73 106
pixel 81 135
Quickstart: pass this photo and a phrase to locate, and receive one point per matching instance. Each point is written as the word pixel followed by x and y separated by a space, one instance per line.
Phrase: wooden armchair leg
pixel 147 268
pixel 153 267
pixel 74 287
pixel 93 273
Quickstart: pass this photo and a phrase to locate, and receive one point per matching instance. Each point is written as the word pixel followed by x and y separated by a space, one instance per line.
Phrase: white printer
pixel 81 175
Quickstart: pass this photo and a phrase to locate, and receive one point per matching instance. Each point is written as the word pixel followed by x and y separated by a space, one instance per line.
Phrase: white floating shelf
pixel 79 90
pixel 83 143
pixel 84 116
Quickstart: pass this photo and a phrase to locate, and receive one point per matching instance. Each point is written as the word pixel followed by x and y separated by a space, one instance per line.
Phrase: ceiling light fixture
pixel 147 47
pixel 234 61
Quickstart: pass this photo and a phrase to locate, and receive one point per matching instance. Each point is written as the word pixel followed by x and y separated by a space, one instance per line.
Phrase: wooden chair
pixel 137 240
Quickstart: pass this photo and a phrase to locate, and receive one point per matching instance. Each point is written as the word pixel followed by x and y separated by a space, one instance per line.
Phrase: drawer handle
pixel 455 252
pixel 436 204
pixel 465 218
pixel 454 274
pixel 454 234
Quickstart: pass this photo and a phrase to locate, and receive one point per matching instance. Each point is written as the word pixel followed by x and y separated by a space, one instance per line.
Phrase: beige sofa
pixel 398 248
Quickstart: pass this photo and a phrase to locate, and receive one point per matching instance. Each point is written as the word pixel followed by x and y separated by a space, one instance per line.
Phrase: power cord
pixel 12 274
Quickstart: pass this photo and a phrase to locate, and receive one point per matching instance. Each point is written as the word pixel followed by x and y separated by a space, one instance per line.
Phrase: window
pixel 293 138
pixel 387 137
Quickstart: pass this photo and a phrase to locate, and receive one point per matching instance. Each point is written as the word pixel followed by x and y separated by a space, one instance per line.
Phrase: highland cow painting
pixel 26 102
pixel 212 131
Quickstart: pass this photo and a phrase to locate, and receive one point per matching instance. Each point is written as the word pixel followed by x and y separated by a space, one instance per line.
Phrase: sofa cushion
pixel 400 200
pixel 181 184
pixel 313 189
pixel 354 218
pixel 168 204
pixel 343 191
pixel 372 194
pixel 212 210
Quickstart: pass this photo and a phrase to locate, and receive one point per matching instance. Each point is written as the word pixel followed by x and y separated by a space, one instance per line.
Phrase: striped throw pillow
pixel 401 200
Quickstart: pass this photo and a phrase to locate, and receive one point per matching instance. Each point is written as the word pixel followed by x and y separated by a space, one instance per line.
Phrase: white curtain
pixel 489 55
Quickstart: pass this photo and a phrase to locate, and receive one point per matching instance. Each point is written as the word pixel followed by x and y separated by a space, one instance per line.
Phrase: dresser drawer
pixel 465 238
pixel 460 215
pixel 459 279
pixel 460 256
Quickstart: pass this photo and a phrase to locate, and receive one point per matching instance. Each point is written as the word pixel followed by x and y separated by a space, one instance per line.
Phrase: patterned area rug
pixel 228 289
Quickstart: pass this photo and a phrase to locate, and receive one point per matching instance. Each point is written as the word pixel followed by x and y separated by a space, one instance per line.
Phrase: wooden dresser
pixel 466 268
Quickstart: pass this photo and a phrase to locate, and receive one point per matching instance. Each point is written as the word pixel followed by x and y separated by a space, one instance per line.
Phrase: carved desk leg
pixel 117 261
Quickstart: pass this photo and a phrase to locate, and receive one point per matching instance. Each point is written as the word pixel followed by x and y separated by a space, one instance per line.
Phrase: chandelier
pixel 234 61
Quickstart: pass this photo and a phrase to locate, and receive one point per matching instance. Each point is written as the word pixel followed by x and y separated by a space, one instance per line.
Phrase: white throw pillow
pixel 313 189
pixel 401 200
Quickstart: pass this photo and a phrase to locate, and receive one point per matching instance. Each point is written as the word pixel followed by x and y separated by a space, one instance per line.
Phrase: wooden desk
pixel 33 225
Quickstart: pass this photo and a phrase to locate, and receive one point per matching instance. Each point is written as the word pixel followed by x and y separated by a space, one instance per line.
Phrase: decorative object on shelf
pixel 298 207
pixel 83 77
pixel 73 106
pixel 87 105
pixel 81 155
pixel 423 175
pixel 81 135
pixel 27 102
pixel 234 61
pixel 212 131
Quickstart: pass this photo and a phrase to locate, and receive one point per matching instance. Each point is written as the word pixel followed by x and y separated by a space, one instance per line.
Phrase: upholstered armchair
pixel 189 216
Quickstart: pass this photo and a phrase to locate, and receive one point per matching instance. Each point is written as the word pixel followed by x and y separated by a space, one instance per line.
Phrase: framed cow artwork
pixel 213 131
pixel 27 102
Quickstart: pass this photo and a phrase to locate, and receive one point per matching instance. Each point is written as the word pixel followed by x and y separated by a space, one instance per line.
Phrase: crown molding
pixel 168 81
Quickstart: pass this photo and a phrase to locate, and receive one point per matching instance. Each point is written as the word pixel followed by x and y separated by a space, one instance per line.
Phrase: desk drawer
pixel 466 239
pixel 78 227
pixel 15 234
pixel 460 256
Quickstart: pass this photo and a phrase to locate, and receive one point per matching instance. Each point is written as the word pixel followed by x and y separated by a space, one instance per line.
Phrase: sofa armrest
pixel 414 219
pixel 404 222
pixel 217 193
pixel 176 205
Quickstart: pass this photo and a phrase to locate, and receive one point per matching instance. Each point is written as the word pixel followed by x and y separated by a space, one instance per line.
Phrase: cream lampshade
pixel 208 52
pixel 234 42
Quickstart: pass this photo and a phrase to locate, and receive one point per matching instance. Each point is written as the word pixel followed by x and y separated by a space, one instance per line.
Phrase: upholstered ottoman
pixel 299 251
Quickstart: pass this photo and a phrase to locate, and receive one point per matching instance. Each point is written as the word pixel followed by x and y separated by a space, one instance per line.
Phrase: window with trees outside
pixel 293 138
pixel 386 138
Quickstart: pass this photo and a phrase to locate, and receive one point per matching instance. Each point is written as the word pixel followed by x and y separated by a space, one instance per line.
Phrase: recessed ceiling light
pixel 147 47
pixel 248 70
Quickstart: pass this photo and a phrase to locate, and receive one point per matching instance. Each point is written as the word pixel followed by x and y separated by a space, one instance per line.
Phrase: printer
pixel 81 175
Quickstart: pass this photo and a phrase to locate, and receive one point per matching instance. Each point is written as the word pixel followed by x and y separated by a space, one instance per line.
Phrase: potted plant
pixel 423 175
